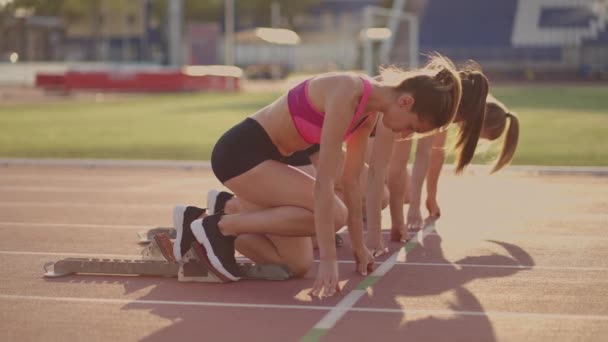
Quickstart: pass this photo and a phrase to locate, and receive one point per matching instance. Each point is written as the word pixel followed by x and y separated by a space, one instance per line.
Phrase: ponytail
pixel 472 111
pixel 498 121
pixel 510 142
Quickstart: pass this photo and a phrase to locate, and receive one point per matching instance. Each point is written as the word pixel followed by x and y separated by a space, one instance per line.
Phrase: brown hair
pixel 470 113
pixel 495 125
pixel 436 90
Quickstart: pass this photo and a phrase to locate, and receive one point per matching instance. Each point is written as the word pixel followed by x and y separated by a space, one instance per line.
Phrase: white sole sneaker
pixel 178 224
pixel 199 233
pixel 212 200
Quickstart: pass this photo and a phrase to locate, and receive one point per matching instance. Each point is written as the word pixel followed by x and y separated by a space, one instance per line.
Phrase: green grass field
pixel 560 125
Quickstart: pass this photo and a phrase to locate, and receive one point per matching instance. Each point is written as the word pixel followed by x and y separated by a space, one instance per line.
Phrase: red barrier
pixel 138 81
pixel 50 81
pixel 125 81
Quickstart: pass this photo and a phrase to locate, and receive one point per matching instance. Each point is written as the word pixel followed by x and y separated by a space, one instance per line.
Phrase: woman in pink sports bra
pixel 280 207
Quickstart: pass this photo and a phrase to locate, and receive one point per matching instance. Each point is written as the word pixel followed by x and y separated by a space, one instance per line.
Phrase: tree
pixel 208 10
pixel 71 11
pixel 40 7
pixel 213 10
pixel 194 10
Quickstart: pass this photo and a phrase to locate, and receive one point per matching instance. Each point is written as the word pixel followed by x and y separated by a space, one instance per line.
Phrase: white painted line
pixel 171 164
pixel 69 189
pixel 433 312
pixel 523 267
pixel 59 177
pixel 89 255
pixel 100 179
pixel 153 225
pixel 106 189
pixel 74 225
pixel 556 170
pixel 544 236
pixel 193 164
pixel 164 302
pixel 398 263
pixel 436 312
pixel 386 265
pixel 85 205
pixel 75 255
pixel 401 252
pixel 330 319
pixel 348 302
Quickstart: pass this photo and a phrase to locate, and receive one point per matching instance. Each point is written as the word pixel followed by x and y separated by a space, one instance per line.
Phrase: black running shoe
pixel 182 218
pixel 216 201
pixel 219 248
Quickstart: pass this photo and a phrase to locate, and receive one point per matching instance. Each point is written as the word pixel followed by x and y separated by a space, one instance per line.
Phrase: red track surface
pixel 514 258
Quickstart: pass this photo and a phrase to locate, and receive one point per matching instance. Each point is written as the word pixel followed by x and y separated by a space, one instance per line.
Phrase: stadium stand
pixel 564 35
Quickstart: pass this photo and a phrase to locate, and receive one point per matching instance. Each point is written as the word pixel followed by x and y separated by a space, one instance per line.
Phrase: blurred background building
pixel 511 39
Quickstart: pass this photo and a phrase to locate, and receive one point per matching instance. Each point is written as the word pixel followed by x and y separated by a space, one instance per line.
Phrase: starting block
pixel 152 263
pixel 147 236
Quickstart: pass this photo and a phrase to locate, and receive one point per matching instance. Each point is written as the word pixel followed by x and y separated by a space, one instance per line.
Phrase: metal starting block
pixel 152 252
pixel 110 266
pixel 147 236
pixel 190 269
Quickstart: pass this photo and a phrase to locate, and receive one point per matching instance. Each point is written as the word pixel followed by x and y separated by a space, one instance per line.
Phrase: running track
pixel 514 257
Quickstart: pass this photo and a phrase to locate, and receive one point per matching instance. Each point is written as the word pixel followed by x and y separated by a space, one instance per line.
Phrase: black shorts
pixel 241 148
pixel 302 158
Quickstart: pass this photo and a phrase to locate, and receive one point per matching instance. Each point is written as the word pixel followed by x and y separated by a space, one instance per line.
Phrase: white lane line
pixel 91 178
pixel 524 234
pixel 434 312
pixel 336 312
pixel 163 302
pixel 522 267
pixel 74 225
pixel 75 255
pixel 397 263
pixel 99 189
pixel 111 163
pixel 68 205
pixel 504 314
pixel 387 264
pixel 153 225
pixel 472 169
pixel 343 306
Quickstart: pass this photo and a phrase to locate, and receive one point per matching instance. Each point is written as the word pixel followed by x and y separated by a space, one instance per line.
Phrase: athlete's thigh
pixel 273 184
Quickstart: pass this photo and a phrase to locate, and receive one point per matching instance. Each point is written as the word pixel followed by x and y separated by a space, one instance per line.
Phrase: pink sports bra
pixel 309 121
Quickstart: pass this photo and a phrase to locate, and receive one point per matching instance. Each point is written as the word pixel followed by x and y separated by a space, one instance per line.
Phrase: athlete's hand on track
pixel 326 284
pixel 375 242
pixel 433 207
pixel 399 233
pixel 414 219
pixel 364 260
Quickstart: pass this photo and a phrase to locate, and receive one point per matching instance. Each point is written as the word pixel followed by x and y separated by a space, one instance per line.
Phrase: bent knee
pixel 299 268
